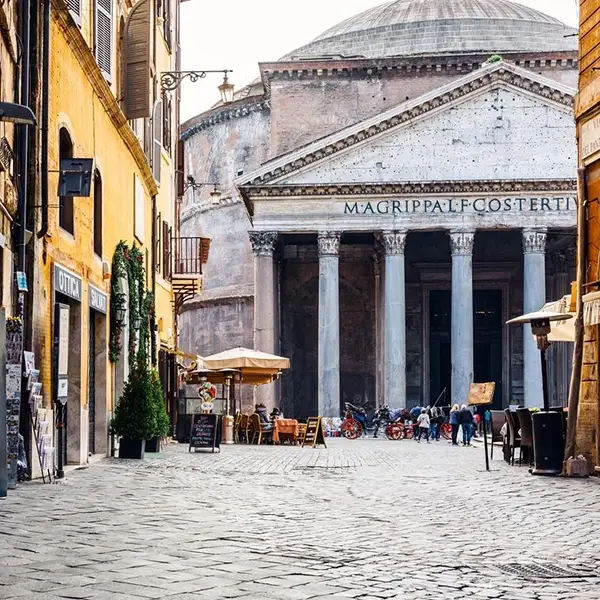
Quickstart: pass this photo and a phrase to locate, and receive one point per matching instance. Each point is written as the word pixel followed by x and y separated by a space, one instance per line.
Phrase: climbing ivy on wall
pixel 128 265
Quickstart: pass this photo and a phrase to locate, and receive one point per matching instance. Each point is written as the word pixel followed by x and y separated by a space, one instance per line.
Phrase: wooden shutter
pixel 104 36
pixel 138 61
pixel 74 7
pixel 180 169
pixel 157 125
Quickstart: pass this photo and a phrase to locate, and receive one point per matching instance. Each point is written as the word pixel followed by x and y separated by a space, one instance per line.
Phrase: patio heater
pixel 548 437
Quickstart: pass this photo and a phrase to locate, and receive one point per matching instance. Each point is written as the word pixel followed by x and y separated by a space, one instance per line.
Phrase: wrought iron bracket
pixel 171 80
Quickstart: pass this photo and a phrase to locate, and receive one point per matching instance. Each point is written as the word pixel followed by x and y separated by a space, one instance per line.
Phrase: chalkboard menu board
pixel 314 433
pixel 205 432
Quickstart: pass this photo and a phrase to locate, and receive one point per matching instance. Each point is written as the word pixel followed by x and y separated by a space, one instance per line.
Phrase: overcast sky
pixel 238 34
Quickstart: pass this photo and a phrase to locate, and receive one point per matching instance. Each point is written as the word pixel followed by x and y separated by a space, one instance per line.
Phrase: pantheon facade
pixel 395 191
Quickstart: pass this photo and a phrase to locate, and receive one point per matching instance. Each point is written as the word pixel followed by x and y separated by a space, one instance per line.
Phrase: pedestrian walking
pixel 424 423
pixel 454 423
pixel 465 419
pixel 415 412
pixel 436 422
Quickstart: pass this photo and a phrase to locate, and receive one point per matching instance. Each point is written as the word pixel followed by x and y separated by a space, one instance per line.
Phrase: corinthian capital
pixel 393 242
pixel 263 242
pixel 534 241
pixel 329 243
pixel 462 242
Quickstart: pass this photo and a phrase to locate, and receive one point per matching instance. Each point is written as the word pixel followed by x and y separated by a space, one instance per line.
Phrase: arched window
pixel 66 216
pixel 97 213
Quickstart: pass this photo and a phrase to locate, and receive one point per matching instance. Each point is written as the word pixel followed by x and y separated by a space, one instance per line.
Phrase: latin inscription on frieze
pixel 462 206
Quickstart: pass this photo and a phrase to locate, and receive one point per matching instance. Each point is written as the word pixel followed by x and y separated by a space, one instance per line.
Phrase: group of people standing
pixel 427 423
pixel 462 417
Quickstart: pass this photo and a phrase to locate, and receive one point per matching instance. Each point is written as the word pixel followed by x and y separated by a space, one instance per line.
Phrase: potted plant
pixel 134 420
pixel 162 423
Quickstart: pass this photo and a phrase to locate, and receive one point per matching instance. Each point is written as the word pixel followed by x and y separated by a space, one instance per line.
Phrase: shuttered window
pixel 167 132
pixel 138 58
pixel 104 36
pixel 74 7
pixel 157 135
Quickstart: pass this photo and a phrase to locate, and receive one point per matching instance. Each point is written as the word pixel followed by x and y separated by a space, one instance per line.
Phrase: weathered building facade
pixel 587 109
pixel 409 179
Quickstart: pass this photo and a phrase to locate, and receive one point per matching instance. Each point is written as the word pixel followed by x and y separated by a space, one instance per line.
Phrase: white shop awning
pixel 591 309
pixel 562 331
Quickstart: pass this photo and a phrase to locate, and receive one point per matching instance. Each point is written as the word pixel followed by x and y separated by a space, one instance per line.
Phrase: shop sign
pixel 589 137
pixel 67 283
pixel 98 300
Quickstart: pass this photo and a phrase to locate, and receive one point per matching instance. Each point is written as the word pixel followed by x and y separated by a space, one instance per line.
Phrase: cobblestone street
pixel 366 519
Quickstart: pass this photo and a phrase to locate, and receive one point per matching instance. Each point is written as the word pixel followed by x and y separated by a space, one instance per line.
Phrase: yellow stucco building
pixel 105 104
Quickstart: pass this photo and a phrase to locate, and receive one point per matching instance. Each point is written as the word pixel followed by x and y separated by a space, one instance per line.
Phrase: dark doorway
pixel 440 304
pixel 487 323
pixel 92 384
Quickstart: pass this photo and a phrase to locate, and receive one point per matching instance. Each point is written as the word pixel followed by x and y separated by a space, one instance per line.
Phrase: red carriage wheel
pixel 394 431
pixel 446 431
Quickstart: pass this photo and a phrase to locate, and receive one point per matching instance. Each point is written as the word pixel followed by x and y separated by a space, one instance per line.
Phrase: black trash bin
pixel 548 443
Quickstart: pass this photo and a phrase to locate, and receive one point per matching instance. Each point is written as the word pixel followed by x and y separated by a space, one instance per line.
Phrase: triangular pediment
pixel 501 123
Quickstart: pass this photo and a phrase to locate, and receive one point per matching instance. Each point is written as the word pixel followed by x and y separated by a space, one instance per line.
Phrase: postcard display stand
pixel 40 418
pixel 14 356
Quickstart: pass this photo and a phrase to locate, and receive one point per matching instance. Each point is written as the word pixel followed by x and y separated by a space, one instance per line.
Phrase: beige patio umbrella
pixel 256 367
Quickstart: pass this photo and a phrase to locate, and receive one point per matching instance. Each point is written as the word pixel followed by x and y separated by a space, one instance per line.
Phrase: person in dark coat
pixel 465 419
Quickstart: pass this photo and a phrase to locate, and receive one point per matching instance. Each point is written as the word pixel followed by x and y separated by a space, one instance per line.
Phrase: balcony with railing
pixel 189 255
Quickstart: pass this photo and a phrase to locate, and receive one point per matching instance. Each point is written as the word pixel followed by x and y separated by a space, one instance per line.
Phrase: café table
pixel 285 429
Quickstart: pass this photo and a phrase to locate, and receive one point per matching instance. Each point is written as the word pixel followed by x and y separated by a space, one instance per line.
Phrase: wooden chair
pixel 301 433
pixel 243 429
pixel 514 441
pixel 258 431
pixel 498 420
pixel 236 427
pixel 524 417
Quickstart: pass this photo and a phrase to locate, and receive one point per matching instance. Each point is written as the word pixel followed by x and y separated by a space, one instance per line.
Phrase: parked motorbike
pixel 354 424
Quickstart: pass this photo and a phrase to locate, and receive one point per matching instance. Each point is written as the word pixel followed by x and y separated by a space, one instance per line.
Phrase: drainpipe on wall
pixel 155 250
pixel 44 119
pixel 574 390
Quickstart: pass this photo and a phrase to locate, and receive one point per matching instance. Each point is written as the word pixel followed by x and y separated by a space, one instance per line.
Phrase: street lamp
pixel 215 193
pixel 548 439
pixel 18 113
pixel 171 80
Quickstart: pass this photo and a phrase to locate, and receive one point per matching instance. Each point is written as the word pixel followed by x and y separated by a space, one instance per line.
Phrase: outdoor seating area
pixel 248 429
pixel 512 430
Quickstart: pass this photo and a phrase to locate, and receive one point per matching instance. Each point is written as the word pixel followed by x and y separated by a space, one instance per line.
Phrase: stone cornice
pixel 459 64
pixel 85 57
pixel 413 188
pixel 497 73
pixel 236 110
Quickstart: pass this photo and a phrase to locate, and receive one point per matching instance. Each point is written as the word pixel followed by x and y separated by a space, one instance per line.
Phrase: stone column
pixel 534 294
pixel 461 244
pixel 394 243
pixel 265 313
pixel 329 324
pixel 379 332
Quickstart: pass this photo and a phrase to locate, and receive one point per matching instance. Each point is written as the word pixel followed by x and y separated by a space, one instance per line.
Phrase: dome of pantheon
pixel 438 27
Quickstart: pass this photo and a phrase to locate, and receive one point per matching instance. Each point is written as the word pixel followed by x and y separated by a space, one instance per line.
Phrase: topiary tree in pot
pixel 134 419
pixel 162 421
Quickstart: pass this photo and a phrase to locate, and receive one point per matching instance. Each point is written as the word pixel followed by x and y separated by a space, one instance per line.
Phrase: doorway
pixel 487 337
pixel 92 384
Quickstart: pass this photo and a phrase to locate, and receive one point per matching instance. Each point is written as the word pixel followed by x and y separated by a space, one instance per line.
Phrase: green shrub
pixel 162 420
pixel 135 414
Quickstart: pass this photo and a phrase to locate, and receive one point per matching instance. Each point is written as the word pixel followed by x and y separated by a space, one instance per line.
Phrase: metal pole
pixel 545 380
pixel 3 449
pixel 485 440
pixel 60 470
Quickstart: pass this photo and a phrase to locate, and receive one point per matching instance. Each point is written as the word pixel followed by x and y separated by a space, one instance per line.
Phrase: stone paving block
pixel 266 523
